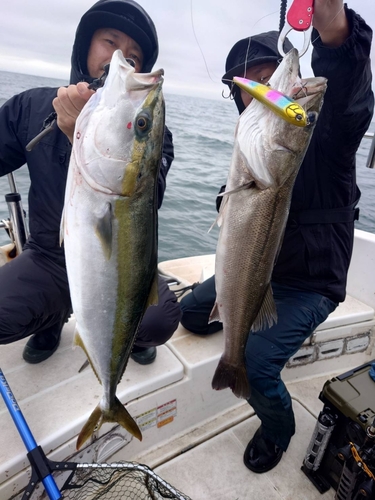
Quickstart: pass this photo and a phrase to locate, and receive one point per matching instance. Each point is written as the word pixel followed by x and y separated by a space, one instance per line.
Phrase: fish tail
pixel 116 413
pixel 227 375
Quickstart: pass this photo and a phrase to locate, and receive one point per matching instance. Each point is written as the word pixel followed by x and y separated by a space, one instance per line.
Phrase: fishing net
pixel 117 481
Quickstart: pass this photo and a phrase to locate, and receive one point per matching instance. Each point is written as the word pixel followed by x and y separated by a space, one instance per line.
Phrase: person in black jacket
pixel 35 300
pixel 309 277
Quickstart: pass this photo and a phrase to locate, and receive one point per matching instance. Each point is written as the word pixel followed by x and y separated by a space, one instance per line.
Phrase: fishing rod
pixel 37 459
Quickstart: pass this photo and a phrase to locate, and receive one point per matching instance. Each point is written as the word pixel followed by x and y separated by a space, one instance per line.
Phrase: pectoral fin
pixel 103 229
pixel 267 315
pixel 219 219
pixel 215 314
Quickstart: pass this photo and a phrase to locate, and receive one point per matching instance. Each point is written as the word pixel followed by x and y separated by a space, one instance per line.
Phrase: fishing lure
pixel 279 103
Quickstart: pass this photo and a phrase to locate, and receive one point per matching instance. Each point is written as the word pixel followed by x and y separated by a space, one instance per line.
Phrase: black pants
pixel 34 295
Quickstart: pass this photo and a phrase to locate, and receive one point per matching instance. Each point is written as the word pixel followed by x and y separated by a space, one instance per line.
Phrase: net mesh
pixel 124 480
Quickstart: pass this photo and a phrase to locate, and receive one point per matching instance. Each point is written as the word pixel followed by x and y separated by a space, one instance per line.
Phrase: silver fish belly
pixel 109 226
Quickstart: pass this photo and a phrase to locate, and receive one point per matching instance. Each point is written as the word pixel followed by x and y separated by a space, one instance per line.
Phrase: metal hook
pixel 284 32
pixel 231 94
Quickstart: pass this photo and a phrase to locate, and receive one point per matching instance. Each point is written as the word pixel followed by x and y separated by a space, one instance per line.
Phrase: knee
pixel 197 322
pixel 263 372
pixel 159 323
pixel 10 329
pixel 196 314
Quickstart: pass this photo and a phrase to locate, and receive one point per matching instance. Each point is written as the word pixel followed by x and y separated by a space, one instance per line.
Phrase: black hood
pixel 249 52
pixel 123 15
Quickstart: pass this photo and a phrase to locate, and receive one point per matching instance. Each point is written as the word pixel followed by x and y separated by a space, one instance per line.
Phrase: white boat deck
pixel 193 437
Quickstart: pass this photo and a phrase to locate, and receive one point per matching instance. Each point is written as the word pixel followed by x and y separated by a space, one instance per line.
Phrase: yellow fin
pixel 78 341
pixel 116 414
pixel 267 315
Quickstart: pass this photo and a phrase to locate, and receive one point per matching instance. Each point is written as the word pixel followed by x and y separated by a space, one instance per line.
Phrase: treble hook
pixel 230 95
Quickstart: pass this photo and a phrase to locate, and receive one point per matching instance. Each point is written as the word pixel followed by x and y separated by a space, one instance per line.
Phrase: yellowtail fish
pixel 280 103
pixel 109 226
pixel 267 155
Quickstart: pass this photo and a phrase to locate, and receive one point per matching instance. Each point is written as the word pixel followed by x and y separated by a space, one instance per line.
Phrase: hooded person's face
pixel 260 73
pixel 104 43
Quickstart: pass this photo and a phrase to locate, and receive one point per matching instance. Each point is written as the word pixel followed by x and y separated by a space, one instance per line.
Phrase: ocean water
pixel 203 138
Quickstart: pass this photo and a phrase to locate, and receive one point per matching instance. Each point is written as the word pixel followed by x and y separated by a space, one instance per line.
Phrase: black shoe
pixel 143 355
pixel 261 455
pixel 42 345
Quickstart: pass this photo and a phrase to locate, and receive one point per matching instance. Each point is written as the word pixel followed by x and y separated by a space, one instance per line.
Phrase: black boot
pixel 261 455
pixel 143 355
pixel 42 345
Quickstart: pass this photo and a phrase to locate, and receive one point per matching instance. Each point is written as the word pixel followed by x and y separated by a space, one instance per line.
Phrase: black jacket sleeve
pixel 13 125
pixel 349 102
pixel 165 163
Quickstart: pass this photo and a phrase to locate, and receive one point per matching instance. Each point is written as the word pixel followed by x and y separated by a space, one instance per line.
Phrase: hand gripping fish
pixel 268 152
pixel 109 226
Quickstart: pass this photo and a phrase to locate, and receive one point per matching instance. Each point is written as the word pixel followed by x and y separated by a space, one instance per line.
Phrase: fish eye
pixel 142 123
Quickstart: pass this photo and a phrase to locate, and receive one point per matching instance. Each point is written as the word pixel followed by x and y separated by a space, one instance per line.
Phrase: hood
pixel 123 15
pixel 249 52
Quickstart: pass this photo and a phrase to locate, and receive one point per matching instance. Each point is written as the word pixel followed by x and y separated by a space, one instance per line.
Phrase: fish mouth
pixel 120 70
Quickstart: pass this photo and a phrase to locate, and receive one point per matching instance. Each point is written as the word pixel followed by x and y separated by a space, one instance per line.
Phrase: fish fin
pixel 235 377
pixel 78 341
pixel 116 414
pixel 62 227
pixel 223 205
pixel 247 185
pixel 153 298
pixel 103 229
pixel 216 221
pixel 215 314
pixel 267 315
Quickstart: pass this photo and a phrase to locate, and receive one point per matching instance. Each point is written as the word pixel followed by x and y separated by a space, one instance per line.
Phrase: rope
pixel 282 14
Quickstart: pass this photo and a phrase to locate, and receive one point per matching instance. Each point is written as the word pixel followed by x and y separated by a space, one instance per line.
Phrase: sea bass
pixel 268 152
pixel 109 226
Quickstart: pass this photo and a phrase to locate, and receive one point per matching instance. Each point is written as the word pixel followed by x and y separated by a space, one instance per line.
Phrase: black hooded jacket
pixel 22 116
pixel 318 240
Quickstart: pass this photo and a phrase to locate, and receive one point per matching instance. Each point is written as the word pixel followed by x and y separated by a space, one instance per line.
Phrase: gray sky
pixel 36 37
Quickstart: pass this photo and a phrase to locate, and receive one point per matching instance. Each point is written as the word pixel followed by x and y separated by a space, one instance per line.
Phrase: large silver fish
pixel 268 152
pixel 109 226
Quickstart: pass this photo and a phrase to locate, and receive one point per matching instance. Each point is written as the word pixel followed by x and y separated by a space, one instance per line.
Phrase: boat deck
pixel 193 437
pixel 204 458
pixel 215 469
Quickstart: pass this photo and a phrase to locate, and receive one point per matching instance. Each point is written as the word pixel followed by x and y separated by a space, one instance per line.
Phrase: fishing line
pixel 201 51
pixel 196 39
